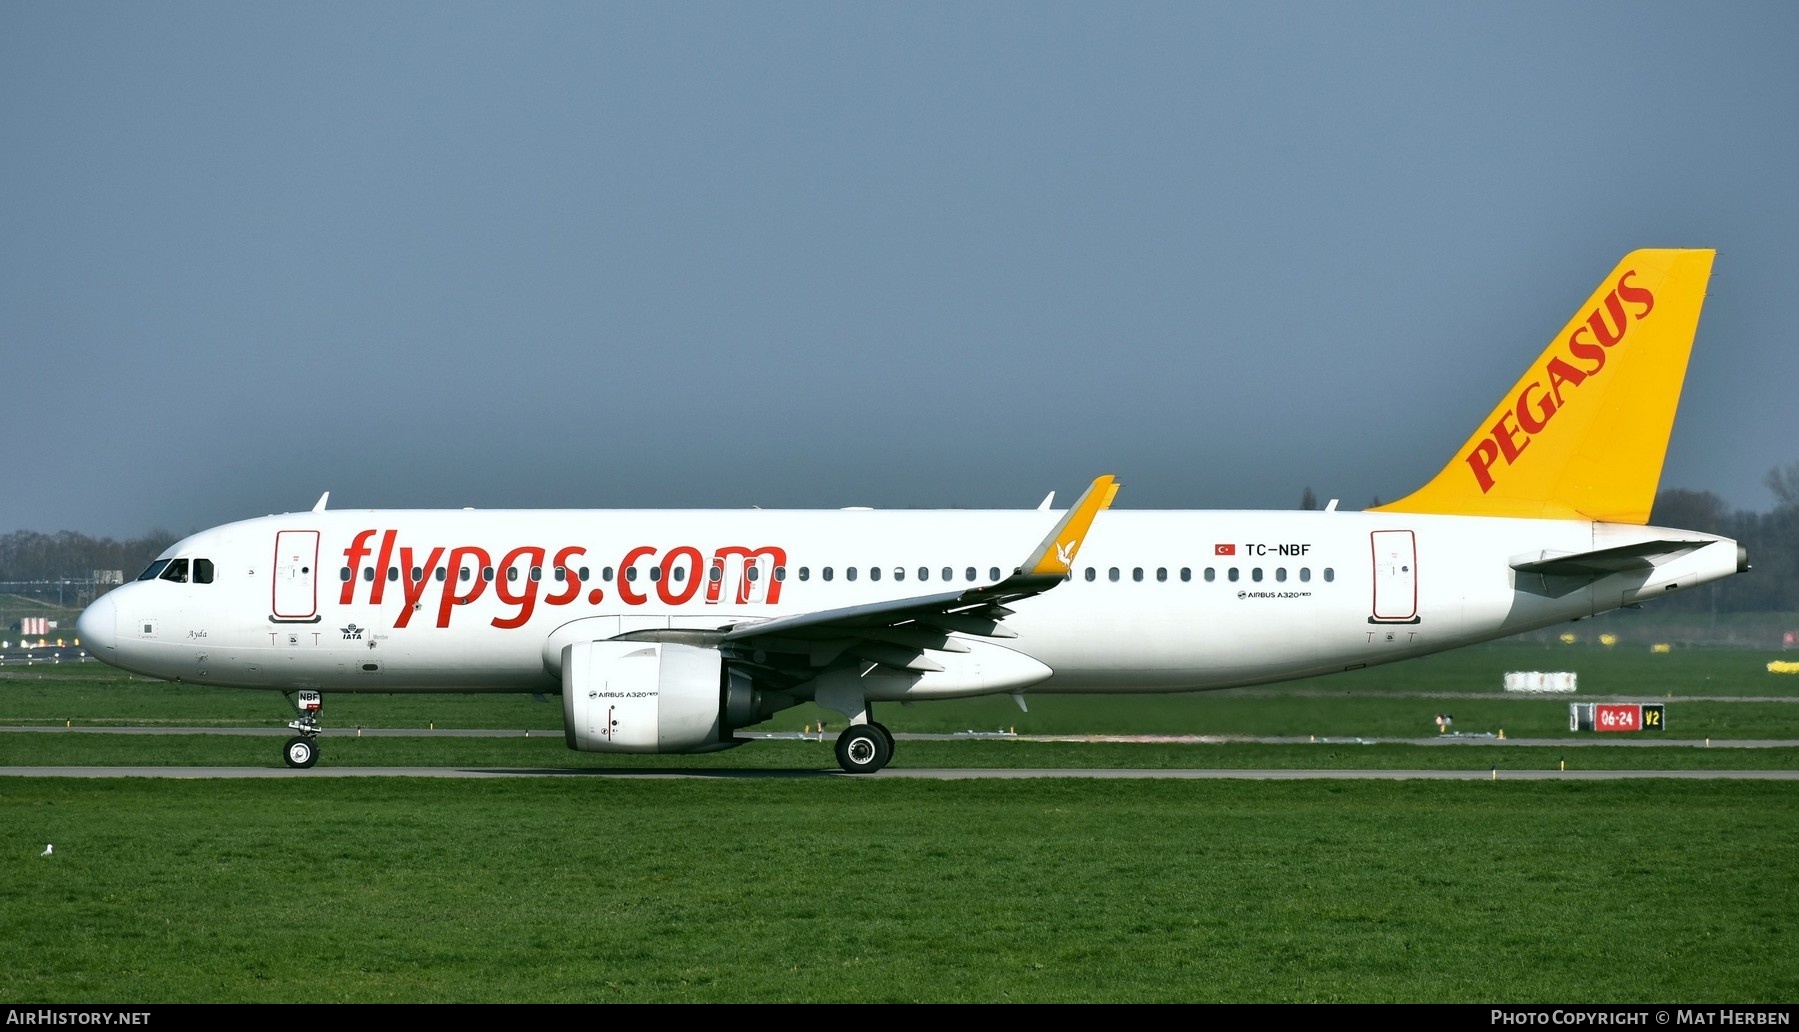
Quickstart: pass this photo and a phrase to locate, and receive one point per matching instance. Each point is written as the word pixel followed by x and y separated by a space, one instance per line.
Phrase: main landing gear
pixel 302 750
pixel 864 748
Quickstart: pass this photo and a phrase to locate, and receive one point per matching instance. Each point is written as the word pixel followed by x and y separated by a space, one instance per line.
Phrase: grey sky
pixel 823 254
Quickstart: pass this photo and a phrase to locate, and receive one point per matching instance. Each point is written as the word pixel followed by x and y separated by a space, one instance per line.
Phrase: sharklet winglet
pixel 1055 556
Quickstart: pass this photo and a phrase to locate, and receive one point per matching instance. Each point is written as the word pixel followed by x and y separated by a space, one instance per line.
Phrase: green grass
pixel 859 890
pixel 77 749
pixel 835 889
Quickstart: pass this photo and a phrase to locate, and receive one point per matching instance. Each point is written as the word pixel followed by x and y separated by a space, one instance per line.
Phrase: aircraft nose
pixel 97 626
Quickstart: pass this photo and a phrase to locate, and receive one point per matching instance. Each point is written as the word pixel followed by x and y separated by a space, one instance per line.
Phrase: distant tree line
pixel 1772 538
pixel 28 556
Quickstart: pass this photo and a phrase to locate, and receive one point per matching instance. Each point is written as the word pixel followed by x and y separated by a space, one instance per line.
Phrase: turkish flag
pixel 1226 550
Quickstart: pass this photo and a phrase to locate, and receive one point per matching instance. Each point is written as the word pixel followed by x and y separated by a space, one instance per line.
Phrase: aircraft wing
pixel 899 633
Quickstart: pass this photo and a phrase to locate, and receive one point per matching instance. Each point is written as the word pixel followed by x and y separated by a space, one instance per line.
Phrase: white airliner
pixel 669 631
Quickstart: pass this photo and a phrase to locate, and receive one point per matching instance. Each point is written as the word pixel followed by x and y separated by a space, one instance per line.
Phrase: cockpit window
pixel 202 571
pixel 154 569
pixel 176 571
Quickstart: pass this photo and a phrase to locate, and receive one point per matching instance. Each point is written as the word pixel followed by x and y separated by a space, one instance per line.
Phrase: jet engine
pixel 652 697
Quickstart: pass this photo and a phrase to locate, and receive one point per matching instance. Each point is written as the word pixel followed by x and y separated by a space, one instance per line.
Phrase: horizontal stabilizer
pixel 1607 561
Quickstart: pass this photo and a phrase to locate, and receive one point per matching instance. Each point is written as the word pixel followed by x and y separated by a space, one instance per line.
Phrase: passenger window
pixel 1256 574
pixel 417 575
pixel 1330 574
pixel 780 573
pixel 1186 574
pixel 1091 573
pixel 606 574
pixel 487 573
pixel 512 573
pixel 1305 574
pixel 462 574
pixel 1112 574
pixel 827 573
pixel 1137 573
pixel 561 573
pixel 1280 574
pixel 393 574
pixel 1231 575
pixel 971 573
pixel 1211 574
pixel 805 573
pixel 849 573
pixel 874 573
pixel 993 573
pixel 754 572
pixel 1161 573
pixel 716 574
pixel 368 574
pixel 630 573
pixel 948 575
pixel 537 573
pixel 656 574
pixel 583 573
pixel 440 573
pixel 343 574
pixel 899 573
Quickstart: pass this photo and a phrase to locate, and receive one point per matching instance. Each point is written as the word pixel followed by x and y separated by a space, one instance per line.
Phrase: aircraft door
pixel 739 578
pixel 756 573
pixel 295 592
pixel 1395 576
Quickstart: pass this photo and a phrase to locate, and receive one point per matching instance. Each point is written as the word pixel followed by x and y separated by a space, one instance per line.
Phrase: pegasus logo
pixel 1065 552
pixel 1535 405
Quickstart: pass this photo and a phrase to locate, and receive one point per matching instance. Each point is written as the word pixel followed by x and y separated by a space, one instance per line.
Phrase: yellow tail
pixel 1582 435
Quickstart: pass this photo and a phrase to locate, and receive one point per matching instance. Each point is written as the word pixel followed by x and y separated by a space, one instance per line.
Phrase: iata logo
pixel 1538 402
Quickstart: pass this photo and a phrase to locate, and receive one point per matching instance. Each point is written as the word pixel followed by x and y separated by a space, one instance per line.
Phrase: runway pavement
pixel 951 774
pixel 941 774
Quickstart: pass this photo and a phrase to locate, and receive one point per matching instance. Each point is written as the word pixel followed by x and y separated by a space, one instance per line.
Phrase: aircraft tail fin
pixel 1583 433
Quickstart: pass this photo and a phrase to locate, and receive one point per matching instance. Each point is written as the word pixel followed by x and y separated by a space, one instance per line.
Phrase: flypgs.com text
pixel 682 575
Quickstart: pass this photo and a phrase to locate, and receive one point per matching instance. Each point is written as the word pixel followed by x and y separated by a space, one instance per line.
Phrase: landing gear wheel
pixel 301 752
pixel 882 728
pixel 864 748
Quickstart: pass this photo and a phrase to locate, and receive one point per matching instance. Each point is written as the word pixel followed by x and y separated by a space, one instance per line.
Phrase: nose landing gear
pixel 302 750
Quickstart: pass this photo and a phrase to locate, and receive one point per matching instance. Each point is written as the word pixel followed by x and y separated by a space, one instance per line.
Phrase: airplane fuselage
pixel 1159 601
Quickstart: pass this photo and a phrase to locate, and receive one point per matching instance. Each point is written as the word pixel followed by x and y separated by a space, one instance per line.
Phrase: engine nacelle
pixel 650 697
